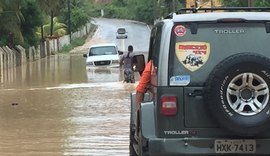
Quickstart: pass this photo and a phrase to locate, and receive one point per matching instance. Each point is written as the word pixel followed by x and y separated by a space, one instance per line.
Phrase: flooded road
pixel 54 107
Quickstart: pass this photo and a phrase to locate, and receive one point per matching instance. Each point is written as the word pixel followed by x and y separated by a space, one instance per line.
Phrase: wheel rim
pixel 247 94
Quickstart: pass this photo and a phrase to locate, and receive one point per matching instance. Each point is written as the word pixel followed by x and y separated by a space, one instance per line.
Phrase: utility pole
pixel 250 3
pixel 69 23
pixel 173 5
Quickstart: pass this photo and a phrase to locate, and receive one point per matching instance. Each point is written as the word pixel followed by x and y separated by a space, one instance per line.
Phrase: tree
pixel 141 10
pixel 59 28
pixel 235 3
pixel 11 19
pixel 146 11
pixel 51 7
pixel 33 19
pixel 79 14
pixel 263 3
pixel 242 3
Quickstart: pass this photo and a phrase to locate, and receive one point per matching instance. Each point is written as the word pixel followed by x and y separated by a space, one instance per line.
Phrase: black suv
pixel 210 93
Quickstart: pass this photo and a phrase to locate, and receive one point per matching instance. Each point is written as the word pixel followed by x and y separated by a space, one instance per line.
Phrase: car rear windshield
pixel 121 31
pixel 197 47
pixel 106 50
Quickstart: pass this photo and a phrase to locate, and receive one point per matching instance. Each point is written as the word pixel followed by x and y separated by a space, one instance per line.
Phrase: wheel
pixel 142 144
pixel 143 149
pixel 132 140
pixel 237 93
pixel 132 129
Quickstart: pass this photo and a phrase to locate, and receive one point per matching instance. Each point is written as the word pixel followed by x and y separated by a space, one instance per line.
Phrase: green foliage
pixel 111 11
pixel 21 19
pixel 145 11
pixel 59 29
pixel 244 3
pixel 51 8
pixel 79 14
pixel 262 3
pixel 11 18
pixel 235 3
pixel 79 18
pixel 33 19
pixel 77 42
pixel 140 10
pixel 3 40
pixel 66 48
pixel 74 43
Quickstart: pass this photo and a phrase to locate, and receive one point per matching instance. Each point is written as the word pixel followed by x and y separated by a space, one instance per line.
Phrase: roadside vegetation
pixel 74 43
pixel 27 22
pixel 78 41
pixel 245 3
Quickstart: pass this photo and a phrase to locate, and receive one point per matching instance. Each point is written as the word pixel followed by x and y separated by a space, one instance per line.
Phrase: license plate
pixel 235 146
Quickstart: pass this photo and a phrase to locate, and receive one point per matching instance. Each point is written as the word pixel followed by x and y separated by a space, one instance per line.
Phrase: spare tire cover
pixel 237 93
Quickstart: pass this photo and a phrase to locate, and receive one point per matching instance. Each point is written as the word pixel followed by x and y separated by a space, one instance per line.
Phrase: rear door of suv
pixel 196 48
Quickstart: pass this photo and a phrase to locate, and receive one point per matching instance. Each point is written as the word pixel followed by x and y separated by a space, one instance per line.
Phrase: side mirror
pixel 120 52
pixel 139 63
pixel 84 55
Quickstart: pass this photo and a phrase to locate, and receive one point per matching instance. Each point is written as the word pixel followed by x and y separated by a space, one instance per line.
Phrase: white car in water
pixel 103 55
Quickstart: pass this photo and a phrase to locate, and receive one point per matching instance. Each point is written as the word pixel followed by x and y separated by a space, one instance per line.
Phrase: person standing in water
pixel 127 63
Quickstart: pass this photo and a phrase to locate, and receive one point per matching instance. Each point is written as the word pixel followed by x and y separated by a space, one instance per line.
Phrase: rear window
pixel 106 50
pixel 121 30
pixel 194 52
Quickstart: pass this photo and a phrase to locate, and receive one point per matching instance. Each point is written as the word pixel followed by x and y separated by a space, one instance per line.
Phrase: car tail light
pixel 168 105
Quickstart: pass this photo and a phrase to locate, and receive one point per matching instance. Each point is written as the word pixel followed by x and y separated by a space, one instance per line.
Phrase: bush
pixel 66 48
pixel 74 43
pixel 77 42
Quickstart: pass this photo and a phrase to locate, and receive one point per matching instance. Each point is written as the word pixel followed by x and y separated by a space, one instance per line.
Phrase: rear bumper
pixel 191 146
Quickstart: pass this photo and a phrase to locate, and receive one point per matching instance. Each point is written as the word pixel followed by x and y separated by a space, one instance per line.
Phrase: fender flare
pixel 147 120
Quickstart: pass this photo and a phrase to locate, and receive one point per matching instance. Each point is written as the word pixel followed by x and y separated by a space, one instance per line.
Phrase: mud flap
pixel 147 120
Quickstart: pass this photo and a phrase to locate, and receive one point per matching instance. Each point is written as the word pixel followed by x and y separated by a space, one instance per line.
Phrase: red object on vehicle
pixel 168 105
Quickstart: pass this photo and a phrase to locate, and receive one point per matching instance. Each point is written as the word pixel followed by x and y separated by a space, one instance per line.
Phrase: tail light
pixel 168 105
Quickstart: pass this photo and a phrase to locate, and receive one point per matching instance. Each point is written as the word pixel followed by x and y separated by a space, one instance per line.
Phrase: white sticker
pixel 180 80
pixel 193 55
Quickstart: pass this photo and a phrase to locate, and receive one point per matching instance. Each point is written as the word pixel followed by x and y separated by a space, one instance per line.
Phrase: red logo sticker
pixel 180 30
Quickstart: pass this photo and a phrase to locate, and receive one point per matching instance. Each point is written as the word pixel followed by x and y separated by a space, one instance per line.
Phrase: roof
pixel 214 16
pixel 103 44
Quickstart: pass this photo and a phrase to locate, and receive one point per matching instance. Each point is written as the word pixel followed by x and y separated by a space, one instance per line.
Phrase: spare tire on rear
pixel 237 93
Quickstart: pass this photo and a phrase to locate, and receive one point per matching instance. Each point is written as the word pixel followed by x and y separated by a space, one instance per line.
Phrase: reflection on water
pixel 49 71
pixel 105 75
pixel 52 108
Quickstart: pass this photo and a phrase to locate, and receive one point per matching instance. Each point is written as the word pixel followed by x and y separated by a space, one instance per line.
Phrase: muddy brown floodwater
pixel 54 107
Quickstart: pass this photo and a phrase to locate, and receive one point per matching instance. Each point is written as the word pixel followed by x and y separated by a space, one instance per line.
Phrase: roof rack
pixel 170 15
pixel 195 10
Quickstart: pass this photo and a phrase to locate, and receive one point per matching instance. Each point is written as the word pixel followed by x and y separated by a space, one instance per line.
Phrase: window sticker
pixel 180 30
pixel 180 80
pixel 193 55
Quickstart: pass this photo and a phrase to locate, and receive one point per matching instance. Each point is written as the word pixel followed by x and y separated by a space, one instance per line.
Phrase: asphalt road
pixel 138 35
